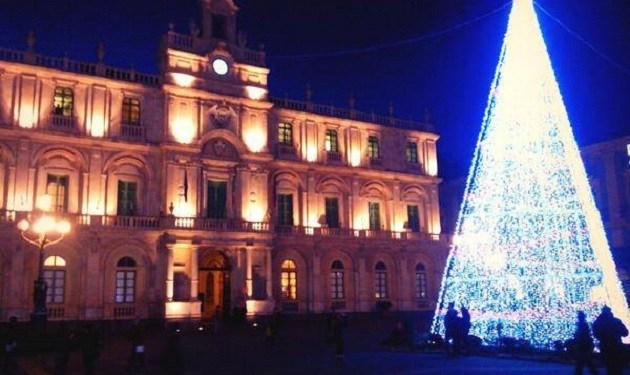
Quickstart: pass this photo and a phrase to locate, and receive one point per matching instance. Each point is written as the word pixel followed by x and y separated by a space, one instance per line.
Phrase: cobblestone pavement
pixel 299 349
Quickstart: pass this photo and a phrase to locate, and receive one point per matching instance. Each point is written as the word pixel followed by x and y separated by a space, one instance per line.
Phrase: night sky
pixel 418 54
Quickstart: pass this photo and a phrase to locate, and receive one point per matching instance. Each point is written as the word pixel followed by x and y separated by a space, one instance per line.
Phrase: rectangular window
pixel 411 153
pixel 55 282
pixel 380 287
pixel 374 215
pixel 285 134
pixel 127 198
pixel 373 152
pixel 413 219
pixel 131 111
pixel 125 286
pixel 57 189
pixel 332 212
pixel 285 209
pixel 421 285
pixel 288 284
pixel 331 143
pixel 217 198
pixel 336 285
pixel 63 104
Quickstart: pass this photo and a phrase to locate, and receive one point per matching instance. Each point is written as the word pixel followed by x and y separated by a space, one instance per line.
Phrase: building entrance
pixel 214 285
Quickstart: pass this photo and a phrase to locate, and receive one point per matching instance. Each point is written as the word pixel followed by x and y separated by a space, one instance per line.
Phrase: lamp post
pixel 44 231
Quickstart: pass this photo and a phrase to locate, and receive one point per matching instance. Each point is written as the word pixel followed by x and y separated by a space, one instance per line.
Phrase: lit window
pixel 336 280
pixel 63 104
pixel 131 111
pixel 380 281
pixel 55 279
pixel 125 280
pixel 57 189
pixel 288 280
pixel 411 152
pixel 373 152
pixel 331 143
pixel 421 282
pixel 285 133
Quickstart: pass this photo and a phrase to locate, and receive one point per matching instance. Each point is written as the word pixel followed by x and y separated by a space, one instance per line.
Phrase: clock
pixel 220 67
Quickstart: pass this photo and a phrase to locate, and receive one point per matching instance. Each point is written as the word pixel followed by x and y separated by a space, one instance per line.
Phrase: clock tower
pixel 214 57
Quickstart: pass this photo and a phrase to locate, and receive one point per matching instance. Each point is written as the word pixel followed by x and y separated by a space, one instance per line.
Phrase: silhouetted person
pixel 398 337
pixel 90 349
pixel 217 318
pixel 336 325
pixel 173 356
pixel 583 346
pixel 136 336
pixel 465 327
pixel 63 346
pixel 9 347
pixel 452 330
pixel 609 331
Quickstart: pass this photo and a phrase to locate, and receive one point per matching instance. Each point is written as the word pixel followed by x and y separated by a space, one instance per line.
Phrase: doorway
pixel 214 286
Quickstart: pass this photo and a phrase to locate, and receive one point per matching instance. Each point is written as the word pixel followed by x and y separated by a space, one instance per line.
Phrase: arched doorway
pixel 214 284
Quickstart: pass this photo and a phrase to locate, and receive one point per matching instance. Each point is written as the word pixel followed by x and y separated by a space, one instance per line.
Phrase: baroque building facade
pixel 194 190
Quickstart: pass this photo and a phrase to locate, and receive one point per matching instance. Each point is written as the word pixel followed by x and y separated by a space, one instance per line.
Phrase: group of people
pixel 456 330
pixel 608 330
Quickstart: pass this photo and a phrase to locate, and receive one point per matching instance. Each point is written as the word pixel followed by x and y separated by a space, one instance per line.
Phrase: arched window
pixel 288 280
pixel 336 280
pixel 380 280
pixel 421 282
pixel 55 278
pixel 126 273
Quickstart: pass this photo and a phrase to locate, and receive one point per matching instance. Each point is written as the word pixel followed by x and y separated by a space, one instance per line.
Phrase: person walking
pixel 90 349
pixel 452 328
pixel 336 326
pixel 583 346
pixel 9 348
pixel 466 324
pixel 609 330
pixel 63 346
pixel 136 336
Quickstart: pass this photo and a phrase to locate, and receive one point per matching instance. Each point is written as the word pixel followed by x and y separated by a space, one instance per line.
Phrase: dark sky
pixel 417 54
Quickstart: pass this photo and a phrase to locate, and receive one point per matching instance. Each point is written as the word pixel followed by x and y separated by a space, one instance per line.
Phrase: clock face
pixel 220 67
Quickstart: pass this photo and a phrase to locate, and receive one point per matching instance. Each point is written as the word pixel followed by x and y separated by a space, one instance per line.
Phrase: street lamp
pixel 44 231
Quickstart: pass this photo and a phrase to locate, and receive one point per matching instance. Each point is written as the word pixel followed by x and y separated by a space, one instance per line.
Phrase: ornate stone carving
pixel 218 148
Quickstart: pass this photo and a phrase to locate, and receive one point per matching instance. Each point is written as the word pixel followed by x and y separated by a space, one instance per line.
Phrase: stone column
pixel 269 275
pixel 248 272
pixel 169 273
pixel 194 273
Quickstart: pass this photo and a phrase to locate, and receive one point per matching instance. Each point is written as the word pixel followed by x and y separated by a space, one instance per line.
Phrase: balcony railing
pixel 287 151
pixel 225 225
pixel 332 111
pixel 78 67
pixel 132 131
pixel 63 123
pixel 333 157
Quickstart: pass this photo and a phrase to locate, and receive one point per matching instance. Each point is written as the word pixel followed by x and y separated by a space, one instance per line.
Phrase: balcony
pixel 132 132
pixel 62 123
pixel 333 157
pixel 163 223
pixel 298 231
pixel 287 152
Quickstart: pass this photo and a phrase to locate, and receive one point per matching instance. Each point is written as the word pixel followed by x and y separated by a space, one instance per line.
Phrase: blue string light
pixel 530 248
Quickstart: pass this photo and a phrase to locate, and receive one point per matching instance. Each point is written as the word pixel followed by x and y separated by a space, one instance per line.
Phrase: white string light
pixel 531 248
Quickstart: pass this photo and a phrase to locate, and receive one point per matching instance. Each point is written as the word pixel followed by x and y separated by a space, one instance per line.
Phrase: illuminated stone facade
pixel 195 189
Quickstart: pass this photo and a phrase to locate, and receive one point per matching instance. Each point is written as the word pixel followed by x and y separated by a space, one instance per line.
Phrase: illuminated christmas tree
pixel 529 249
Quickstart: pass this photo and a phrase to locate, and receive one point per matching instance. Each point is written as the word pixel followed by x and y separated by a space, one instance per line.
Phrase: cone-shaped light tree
pixel 529 249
